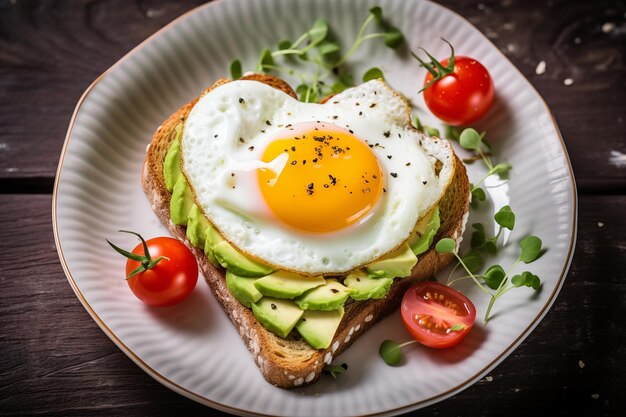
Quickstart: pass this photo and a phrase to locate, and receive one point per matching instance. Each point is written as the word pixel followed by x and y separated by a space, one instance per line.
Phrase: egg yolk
pixel 331 180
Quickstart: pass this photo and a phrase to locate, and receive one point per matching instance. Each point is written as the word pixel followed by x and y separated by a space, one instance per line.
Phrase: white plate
pixel 193 348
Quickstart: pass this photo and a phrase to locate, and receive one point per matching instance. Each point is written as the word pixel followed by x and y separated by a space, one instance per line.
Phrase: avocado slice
pixel 243 289
pixel 212 239
pixel 318 328
pixel 330 296
pixel 171 164
pixel 427 228
pixel 365 287
pixel 396 264
pixel 277 315
pixel 283 284
pixel 238 263
pixel 197 225
pixel 181 201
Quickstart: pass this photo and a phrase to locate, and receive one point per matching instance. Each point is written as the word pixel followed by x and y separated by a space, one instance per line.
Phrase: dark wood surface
pixel 54 360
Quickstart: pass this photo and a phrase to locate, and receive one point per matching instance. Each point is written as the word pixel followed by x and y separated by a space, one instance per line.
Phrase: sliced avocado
pixel 318 328
pixel 243 289
pixel 330 296
pixel 181 201
pixel 238 263
pixel 213 236
pixel 396 264
pixel 365 287
pixel 212 239
pixel 283 284
pixel 425 233
pixel 197 225
pixel 171 164
pixel 277 315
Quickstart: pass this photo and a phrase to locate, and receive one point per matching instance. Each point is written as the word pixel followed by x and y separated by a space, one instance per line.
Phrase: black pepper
pixel 393 174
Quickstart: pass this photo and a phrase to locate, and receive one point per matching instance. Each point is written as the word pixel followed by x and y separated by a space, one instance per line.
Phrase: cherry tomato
pixel 464 95
pixel 436 315
pixel 164 276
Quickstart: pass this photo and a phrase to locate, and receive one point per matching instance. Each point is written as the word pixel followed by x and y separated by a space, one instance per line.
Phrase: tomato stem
pixel 146 260
pixel 435 68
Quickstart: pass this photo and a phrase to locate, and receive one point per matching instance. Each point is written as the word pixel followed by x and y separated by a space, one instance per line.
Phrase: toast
pixel 290 363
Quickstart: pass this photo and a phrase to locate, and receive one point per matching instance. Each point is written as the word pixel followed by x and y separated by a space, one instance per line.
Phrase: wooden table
pixel 54 359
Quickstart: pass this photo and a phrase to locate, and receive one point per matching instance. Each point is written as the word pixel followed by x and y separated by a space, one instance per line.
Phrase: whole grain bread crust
pixel 290 363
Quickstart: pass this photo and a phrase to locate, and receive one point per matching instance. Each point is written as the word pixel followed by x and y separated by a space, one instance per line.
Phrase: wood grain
pixel 50 51
pixel 56 361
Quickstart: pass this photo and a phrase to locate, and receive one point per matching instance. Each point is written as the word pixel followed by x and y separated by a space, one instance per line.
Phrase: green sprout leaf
pixel 470 139
pixel 307 93
pixel 265 59
pixel 490 246
pixel 452 132
pixel 494 276
pixel 377 12
pixel 373 74
pixel 346 79
pixel 505 217
pixel 334 370
pixel 284 44
pixel 526 279
pixel 478 236
pixel 446 245
pixel 418 124
pixel 473 261
pixel 338 87
pixel 390 352
pixel 393 37
pixel 319 31
pixel 235 69
pixel 327 47
pixel 431 131
pixel 531 248
pixel 502 170
pixel 478 195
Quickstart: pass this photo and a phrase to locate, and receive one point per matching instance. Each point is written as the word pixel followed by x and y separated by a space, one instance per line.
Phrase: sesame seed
pixel 393 174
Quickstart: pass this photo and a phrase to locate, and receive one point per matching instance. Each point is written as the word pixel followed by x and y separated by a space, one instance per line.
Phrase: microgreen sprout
pixel 391 351
pixel 372 74
pixel 495 281
pixel 334 370
pixel 324 53
pixel 470 139
pixel 427 130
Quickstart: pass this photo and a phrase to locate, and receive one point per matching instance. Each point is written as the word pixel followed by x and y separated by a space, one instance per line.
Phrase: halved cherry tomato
pixel 436 315
pixel 164 274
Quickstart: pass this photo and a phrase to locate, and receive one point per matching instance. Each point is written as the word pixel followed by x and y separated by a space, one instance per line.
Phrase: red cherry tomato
pixel 464 95
pixel 165 275
pixel 436 315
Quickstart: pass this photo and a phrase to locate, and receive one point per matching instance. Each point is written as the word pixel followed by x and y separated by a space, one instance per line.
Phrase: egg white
pixel 224 138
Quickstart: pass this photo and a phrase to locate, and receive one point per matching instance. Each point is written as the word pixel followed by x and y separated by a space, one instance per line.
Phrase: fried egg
pixel 312 188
